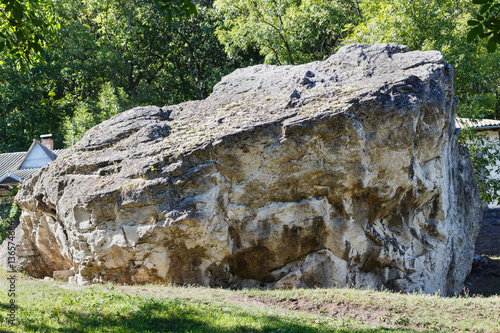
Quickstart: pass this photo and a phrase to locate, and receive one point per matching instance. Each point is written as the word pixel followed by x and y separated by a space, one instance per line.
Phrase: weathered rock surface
pixel 343 172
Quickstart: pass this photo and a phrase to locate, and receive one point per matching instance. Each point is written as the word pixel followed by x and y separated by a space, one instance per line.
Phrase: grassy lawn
pixel 45 306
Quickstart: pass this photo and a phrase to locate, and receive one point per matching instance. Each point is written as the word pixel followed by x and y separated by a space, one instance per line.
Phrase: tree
pixel 419 24
pixel 438 25
pixel 285 31
pixel 485 161
pixel 110 103
pixel 25 28
pixel 486 23
pixel 172 7
pixel 26 106
pixel 123 46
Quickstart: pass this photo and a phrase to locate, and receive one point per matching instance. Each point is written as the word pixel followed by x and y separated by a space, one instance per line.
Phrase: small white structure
pixel 489 131
pixel 37 156
pixel 14 167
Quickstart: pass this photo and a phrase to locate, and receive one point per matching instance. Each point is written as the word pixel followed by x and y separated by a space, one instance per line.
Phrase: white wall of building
pixel 36 159
pixel 493 138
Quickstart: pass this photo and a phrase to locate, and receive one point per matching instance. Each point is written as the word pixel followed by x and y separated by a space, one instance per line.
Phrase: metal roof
pixel 485 124
pixel 10 162
pixel 9 179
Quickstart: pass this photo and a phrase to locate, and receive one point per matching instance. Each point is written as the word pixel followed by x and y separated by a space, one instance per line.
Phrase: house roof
pixel 9 179
pixel 10 163
pixel 47 151
pixel 481 125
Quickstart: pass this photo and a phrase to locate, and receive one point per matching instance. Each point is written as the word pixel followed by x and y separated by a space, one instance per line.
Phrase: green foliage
pixel 420 24
pixel 486 24
pixel 75 127
pixel 26 105
pixel 25 28
pixel 438 25
pixel 172 7
pixel 9 214
pixel 485 161
pixel 110 100
pixel 285 32
pixel 122 46
pixel 109 104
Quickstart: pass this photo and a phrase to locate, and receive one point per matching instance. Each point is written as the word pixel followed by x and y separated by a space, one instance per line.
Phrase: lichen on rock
pixel 343 172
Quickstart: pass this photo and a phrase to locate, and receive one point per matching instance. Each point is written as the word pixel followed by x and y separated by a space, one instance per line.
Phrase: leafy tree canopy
pixel 25 28
pixel 486 24
pixel 172 7
pixel 438 25
pixel 119 53
pixel 285 31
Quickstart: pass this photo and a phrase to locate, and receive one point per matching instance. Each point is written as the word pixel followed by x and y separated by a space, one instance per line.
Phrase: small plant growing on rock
pixel 9 213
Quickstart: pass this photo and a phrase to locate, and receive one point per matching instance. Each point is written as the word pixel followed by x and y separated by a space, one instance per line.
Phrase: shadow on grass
pixel 175 316
pixel 485 280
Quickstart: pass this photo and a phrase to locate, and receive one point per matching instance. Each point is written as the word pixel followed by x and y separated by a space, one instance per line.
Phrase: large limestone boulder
pixel 344 172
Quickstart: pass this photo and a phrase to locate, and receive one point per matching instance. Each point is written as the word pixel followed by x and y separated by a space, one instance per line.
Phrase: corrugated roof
pixel 484 124
pixel 9 179
pixel 10 162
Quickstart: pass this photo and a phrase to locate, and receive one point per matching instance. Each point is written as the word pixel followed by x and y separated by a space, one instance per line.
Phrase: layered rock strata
pixel 343 172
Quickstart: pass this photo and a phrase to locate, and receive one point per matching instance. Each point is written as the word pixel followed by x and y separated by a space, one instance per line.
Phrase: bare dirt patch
pixel 339 310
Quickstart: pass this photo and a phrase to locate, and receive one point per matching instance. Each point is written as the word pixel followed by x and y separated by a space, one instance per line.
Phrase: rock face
pixel 345 172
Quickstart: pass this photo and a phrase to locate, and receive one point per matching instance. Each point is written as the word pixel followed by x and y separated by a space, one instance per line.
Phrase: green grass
pixel 60 307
